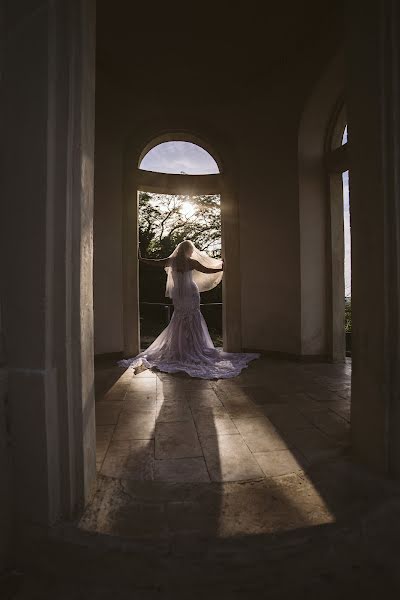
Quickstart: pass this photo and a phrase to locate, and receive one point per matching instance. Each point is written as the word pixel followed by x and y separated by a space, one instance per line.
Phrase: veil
pixel 204 281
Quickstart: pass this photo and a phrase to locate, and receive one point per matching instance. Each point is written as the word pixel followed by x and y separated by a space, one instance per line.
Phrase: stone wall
pixel 263 131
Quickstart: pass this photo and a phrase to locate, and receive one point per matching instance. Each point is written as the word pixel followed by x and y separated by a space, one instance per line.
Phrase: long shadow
pixel 321 493
pixel 158 480
pixel 308 532
pixel 305 416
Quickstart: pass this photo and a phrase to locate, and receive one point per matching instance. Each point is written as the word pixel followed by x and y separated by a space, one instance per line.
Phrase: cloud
pixel 178 157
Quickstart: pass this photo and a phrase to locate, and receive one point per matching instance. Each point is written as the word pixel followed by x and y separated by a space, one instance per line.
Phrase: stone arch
pixel 222 183
pixel 319 221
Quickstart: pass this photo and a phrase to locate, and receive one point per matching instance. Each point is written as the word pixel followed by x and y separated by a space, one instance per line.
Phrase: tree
pixel 166 220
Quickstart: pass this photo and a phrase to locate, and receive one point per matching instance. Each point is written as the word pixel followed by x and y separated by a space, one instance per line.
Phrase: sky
pixel 347 231
pixel 347 235
pixel 188 158
pixel 179 157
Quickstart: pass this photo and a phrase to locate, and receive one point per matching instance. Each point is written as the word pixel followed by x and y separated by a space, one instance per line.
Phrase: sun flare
pixel 187 209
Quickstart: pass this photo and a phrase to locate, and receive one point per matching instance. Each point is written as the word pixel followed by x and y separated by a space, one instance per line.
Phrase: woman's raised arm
pixel 199 267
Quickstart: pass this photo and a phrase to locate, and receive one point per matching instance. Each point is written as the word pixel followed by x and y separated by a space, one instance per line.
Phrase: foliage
pixel 347 314
pixel 166 220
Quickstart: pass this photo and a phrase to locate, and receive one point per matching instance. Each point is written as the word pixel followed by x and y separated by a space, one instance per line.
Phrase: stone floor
pixel 275 419
pixel 226 489
pixel 183 456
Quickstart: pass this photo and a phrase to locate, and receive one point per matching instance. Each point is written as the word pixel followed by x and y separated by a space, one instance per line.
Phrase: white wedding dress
pixel 185 344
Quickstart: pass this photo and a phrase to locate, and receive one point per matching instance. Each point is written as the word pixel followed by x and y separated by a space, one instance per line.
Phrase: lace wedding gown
pixel 185 344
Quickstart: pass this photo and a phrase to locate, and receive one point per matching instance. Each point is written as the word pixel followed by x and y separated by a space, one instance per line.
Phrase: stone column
pixel 373 99
pixel 46 249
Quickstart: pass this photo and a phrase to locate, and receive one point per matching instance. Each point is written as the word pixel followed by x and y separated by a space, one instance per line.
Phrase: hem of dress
pixel 139 361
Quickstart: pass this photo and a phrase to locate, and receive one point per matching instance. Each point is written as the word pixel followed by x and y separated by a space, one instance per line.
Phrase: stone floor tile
pixel 339 387
pixel 113 395
pixel 243 411
pixel 262 395
pixel 103 438
pixel 107 413
pixel 269 409
pixel 260 435
pixel 303 402
pixel 313 444
pixel 182 470
pixel 135 426
pixel 331 424
pixel 209 411
pixel 177 440
pixel 286 417
pixel 225 390
pixel 229 459
pixel 216 424
pixel 340 407
pixel 240 406
pixel 129 459
pixel 344 393
pixel 171 395
pixel 204 399
pixel 325 395
pixel 191 383
pixel 173 411
pixel 173 383
pixel 280 462
pixel 140 403
pixel 145 386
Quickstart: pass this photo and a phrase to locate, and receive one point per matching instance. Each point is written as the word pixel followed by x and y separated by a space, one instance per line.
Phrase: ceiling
pixel 209 48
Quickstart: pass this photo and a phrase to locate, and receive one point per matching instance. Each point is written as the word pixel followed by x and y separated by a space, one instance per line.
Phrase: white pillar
pixel 46 242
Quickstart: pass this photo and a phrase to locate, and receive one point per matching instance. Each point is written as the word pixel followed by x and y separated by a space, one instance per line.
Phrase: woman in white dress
pixel 185 344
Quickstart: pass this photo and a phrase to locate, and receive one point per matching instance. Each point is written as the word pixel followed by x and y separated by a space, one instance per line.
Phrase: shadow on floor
pixel 224 490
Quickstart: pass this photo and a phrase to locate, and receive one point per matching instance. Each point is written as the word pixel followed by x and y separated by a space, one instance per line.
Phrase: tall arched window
pixel 338 171
pixel 187 170
pixel 177 210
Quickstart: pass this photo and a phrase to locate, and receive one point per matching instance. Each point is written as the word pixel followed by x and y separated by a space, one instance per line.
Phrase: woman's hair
pixel 181 260
pixel 185 249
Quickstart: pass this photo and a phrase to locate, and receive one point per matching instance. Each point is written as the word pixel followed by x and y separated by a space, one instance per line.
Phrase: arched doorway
pixel 322 160
pixel 164 221
pixel 339 226
pixel 215 182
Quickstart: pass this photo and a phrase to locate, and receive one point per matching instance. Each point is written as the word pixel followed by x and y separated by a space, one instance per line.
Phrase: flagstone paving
pixel 224 489
pixel 275 418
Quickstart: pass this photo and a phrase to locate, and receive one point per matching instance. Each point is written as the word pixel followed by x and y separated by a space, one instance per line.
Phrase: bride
pixel 185 344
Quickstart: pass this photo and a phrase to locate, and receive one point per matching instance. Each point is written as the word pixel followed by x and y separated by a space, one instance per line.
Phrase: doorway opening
pixel 347 253
pixel 347 261
pixel 340 237
pixel 164 221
